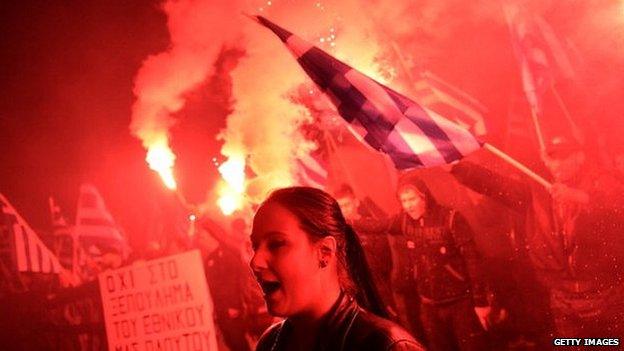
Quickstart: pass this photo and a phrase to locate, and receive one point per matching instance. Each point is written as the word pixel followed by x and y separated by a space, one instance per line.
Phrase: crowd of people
pixel 425 281
pixel 564 278
pixel 331 270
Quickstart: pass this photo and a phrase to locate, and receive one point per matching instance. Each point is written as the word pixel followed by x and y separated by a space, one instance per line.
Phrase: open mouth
pixel 269 287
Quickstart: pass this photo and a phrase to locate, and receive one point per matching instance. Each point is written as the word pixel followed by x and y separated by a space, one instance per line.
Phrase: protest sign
pixel 160 304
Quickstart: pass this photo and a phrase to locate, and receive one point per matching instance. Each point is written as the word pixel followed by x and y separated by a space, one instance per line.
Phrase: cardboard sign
pixel 161 304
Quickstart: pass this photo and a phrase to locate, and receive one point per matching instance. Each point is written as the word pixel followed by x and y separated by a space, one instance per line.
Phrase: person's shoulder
pixel 441 215
pixel 375 333
pixel 269 337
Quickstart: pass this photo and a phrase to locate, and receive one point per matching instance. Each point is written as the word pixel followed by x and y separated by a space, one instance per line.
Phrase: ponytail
pixel 366 292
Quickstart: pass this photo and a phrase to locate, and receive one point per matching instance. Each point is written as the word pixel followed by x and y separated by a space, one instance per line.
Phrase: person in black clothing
pixel 573 236
pixel 226 276
pixel 310 265
pixel 440 256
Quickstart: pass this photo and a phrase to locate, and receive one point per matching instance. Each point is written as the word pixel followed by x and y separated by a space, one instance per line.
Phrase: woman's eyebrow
pixel 255 237
pixel 273 234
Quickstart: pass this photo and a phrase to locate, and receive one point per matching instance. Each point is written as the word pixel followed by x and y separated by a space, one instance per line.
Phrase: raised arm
pixel 512 193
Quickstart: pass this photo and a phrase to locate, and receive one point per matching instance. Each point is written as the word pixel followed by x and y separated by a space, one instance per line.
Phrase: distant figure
pixel 442 267
pixel 311 268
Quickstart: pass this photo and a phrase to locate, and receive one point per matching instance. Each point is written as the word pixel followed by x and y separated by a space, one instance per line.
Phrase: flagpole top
pixel 250 16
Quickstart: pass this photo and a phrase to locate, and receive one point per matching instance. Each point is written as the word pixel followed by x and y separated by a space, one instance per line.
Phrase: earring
pixel 322 263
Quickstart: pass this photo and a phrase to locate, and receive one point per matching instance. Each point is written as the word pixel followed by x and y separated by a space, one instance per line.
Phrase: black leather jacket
pixel 346 327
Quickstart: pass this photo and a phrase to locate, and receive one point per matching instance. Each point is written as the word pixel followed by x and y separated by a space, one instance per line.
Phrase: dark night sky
pixel 67 70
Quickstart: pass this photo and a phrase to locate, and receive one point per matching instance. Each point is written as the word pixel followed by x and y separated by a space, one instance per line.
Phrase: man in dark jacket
pixel 439 253
pixel 573 236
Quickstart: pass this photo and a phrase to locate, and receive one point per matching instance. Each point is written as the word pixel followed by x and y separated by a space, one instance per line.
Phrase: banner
pixel 160 304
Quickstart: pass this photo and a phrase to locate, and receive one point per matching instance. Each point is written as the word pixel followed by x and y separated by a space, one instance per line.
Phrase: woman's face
pixel 285 262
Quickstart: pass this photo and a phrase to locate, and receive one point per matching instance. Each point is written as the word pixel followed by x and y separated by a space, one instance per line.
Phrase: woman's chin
pixel 276 309
pixel 275 304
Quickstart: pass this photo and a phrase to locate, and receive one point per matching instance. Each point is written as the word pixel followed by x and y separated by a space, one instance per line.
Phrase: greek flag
pixel 389 122
pixel 31 254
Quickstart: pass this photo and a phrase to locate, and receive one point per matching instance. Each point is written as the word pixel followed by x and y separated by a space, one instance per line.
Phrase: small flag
pixel 31 254
pixel 540 54
pixel 387 121
pixel 95 224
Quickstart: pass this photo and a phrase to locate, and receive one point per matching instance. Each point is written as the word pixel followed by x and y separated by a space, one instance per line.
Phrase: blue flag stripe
pixel 422 119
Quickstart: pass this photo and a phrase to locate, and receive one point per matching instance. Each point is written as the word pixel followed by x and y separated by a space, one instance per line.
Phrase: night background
pixel 184 114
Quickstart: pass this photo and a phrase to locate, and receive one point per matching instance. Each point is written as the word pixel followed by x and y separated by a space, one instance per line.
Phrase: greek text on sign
pixel 161 304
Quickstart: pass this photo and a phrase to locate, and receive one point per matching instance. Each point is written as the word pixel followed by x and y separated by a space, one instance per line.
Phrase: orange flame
pixel 232 188
pixel 160 158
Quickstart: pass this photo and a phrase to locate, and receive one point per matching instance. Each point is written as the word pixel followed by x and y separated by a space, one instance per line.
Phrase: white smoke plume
pixel 197 30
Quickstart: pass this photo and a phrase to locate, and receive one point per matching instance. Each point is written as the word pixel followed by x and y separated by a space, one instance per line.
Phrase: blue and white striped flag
pixel 31 254
pixel 388 121
pixel 95 225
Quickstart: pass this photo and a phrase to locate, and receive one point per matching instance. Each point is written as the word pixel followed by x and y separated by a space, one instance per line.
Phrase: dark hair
pixel 319 216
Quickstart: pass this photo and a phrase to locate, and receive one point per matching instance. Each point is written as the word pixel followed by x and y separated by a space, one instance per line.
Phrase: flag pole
pixel 576 131
pixel 487 146
pixel 538 128
pixel 524 169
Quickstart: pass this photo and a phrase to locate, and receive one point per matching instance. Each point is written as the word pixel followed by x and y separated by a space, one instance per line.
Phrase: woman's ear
pixel 326 250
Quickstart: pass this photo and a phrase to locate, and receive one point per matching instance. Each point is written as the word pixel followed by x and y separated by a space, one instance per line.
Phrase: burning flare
pixel 161 159
pixel 232 187
pixel 198 29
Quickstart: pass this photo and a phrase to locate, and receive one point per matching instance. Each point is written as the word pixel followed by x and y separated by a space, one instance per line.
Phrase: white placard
pixel 160 304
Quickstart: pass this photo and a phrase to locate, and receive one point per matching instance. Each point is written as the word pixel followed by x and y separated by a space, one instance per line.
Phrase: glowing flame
pixel 232 189
pixel 228 204
pixel 233 172
pixel 160 158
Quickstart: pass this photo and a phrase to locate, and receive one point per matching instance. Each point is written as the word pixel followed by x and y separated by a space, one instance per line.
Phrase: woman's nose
pixel 258 261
